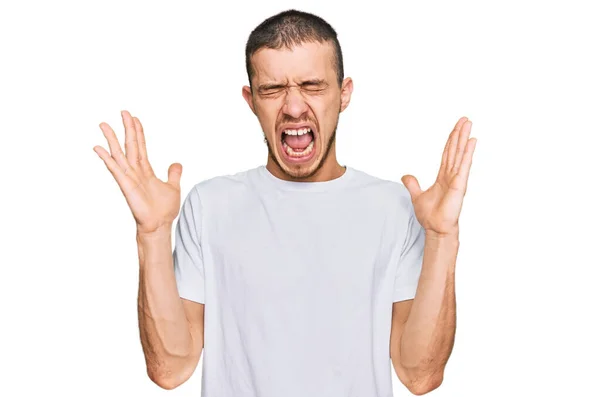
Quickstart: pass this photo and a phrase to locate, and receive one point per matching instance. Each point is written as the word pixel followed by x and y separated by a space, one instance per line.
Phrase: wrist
pixel 451 235
pixel 162 232
pixel 154 248
pixel 441 250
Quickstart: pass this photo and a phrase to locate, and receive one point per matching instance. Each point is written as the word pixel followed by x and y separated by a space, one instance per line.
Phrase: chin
pixel 296 169
pixel 300 171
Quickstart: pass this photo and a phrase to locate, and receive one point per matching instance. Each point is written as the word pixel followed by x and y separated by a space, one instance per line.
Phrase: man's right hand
pixel 153 203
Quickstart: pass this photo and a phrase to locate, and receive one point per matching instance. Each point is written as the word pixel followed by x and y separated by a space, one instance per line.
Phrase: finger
pixel 142 151
pixel 115 148
pixel 117 172
pixel 412 185
pixel 453 142
pixel 131 145
pixel 442 169
pixel 174 174
pixel 465 131
pixel 465 166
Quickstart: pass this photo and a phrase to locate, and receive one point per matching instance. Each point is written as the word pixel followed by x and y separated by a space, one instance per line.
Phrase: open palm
pixel 153 203
pixel 438 208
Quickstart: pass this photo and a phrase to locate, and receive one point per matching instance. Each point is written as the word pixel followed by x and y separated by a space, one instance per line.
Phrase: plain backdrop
pixel 525 73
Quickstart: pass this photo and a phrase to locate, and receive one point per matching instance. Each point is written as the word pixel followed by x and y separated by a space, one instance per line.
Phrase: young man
pixel 301 277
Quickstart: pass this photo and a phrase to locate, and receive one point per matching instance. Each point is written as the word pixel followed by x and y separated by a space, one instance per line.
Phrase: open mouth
pixel 298 143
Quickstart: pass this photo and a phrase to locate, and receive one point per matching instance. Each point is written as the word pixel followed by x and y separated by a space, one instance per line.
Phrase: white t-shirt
pixel 298 281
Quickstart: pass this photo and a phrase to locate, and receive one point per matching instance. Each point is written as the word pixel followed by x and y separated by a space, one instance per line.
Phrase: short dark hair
pixel 289 28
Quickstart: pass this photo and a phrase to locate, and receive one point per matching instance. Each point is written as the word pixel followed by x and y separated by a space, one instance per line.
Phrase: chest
pixel 287 250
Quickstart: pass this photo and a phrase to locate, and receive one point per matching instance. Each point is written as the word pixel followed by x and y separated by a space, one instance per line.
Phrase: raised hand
pixel 153 203
pixel 437 209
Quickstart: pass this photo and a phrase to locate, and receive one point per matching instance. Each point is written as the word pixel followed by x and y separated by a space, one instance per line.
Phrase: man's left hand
pixel 438 208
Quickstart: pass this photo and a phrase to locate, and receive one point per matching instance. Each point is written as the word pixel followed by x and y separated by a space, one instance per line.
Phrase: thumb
pixel 412 185
pixel 174 177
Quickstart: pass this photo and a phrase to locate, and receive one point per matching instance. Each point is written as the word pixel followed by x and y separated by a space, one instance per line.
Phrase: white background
pixel 526 73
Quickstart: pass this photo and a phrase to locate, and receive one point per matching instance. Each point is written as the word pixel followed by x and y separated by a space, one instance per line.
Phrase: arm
pixel 423 329
pixel 171 328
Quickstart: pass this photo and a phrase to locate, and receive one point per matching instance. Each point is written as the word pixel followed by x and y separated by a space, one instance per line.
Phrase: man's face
pixel 297 100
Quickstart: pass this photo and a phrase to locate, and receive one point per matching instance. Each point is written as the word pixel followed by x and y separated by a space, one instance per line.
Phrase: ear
pixel 347 88
pixel 247 94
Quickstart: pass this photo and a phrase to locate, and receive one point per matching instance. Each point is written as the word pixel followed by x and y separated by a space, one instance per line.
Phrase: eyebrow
pixel 274 86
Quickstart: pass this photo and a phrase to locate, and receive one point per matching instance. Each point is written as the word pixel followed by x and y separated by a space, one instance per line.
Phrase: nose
pixel 295 105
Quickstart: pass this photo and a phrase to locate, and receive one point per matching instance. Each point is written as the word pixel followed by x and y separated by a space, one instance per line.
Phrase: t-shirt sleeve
pixel 188 260
pixel 411 260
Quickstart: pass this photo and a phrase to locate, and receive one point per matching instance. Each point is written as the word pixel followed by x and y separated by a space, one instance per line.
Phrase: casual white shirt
pixel 298 281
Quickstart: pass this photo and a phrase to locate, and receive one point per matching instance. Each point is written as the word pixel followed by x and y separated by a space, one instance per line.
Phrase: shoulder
pixel 225 182
pixel 223 188
pixel 386 192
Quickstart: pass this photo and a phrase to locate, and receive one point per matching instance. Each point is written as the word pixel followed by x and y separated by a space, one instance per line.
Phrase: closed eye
pixel 314 85
pixel 271 91
pixel 313 88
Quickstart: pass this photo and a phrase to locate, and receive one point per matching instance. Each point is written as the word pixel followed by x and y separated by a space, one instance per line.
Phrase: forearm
pixel 164 330
pixel 428 335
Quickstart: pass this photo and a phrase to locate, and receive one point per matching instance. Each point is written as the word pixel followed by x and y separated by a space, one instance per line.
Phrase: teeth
pixel 292 153
pixel 300 131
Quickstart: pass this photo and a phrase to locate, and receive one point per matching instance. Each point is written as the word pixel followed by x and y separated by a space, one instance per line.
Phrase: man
pixel 302 277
